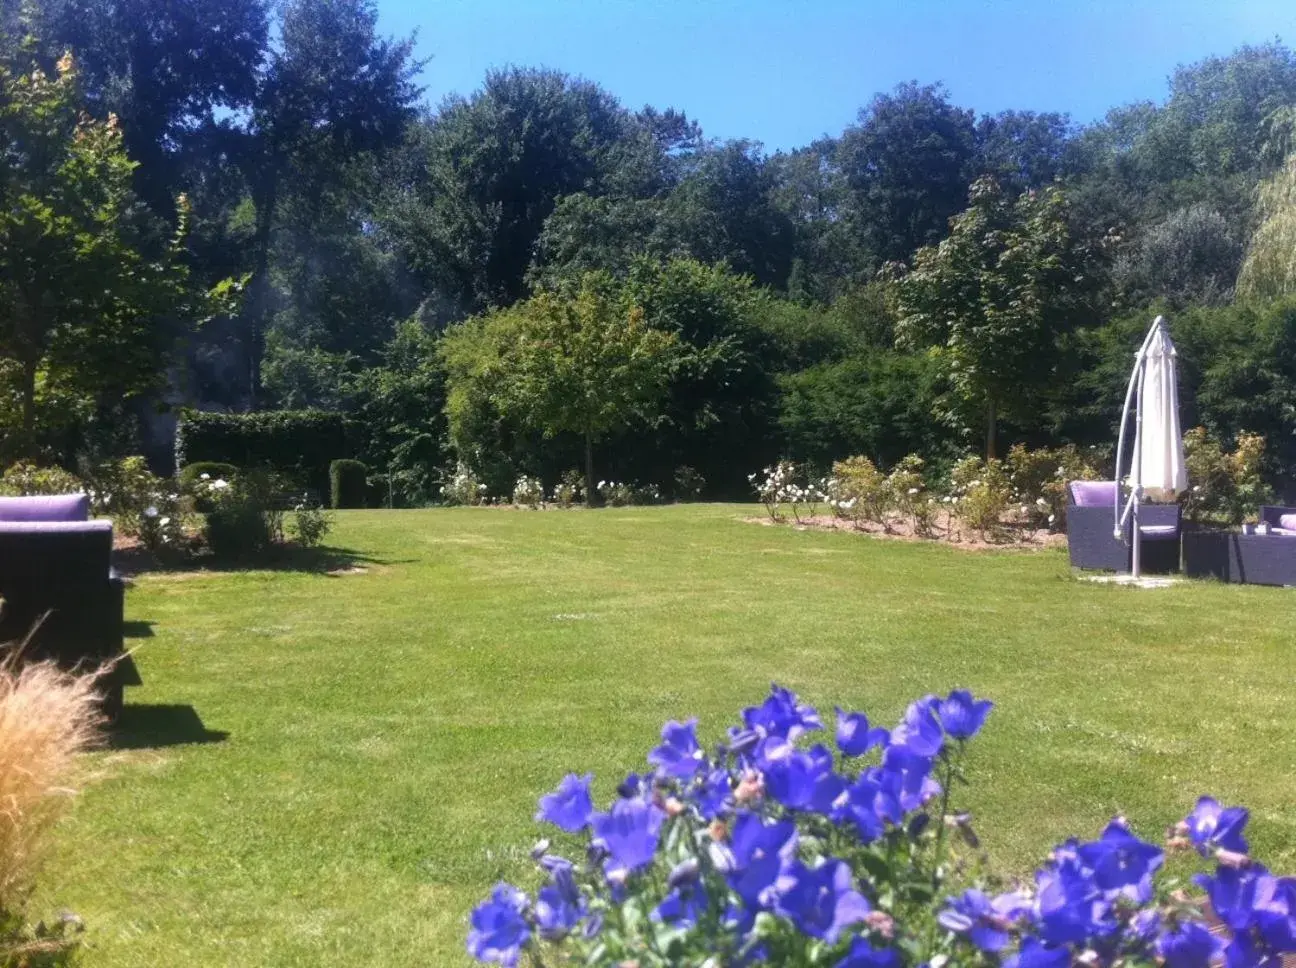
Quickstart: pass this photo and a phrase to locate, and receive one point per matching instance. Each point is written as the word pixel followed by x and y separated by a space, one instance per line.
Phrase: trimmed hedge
pixel 348 480
pixel 298 444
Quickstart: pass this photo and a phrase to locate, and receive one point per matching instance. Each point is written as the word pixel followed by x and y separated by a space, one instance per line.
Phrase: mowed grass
pixel 388 733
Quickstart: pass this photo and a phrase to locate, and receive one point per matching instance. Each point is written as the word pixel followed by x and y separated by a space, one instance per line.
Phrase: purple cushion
pixel 54 527
pixel 45 507
pixel 1093 494
pixel 1287 522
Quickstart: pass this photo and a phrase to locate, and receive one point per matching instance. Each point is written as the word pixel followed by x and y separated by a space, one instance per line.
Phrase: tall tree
pixel 82 309
pixel 907 164
pixel 994 296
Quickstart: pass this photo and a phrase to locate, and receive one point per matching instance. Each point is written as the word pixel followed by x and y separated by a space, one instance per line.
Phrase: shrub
pixel 615 494
pixel 570 489
pixel 247 515
pixel 758 850
pixel 980 495
pixel 645 494
pixel 310 523
pixel 689 483
pixel 1223 487
pixel 347 483
pixel 25 478
pixel 47 718
pixel 1039 481
pixel 463 487
pixel 142 505
pixel 296 444
pixel 906 491
pixel 528 492
pixel 204 470
pixel 857 491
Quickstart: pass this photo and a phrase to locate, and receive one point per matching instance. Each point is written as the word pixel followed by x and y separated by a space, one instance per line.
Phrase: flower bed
pixel 762 851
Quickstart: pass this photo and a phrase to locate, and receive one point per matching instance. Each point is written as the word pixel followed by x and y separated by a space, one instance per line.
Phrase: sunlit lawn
pixel 386 734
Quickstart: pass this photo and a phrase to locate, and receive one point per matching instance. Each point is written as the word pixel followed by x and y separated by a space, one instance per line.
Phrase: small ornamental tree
pixel 585 364
pixel 81 304
pixel 992 298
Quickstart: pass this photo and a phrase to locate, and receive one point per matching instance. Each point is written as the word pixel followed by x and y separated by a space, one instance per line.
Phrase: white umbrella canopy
pixel 1159 466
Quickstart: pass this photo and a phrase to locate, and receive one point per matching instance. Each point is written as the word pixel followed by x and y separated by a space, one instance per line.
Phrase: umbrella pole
pixel 1136 533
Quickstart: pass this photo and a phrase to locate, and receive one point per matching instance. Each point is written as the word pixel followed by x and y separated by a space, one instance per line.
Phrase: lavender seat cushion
pixel 1092 494
pixel 1287 522
pixel 52 507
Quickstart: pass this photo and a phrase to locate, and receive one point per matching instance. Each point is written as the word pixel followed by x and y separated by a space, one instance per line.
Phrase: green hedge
pixel 299 444
pixel 347 483
pixel 214 469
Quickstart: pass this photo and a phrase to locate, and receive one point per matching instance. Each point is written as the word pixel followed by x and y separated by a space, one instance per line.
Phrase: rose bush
pixel 759 850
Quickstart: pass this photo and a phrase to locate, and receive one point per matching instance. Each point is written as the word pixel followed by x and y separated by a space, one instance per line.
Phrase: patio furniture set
pixel 60 593
pixel 1265 555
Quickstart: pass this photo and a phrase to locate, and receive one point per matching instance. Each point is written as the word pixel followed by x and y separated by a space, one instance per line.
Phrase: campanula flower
pixel 792 780
pixel 920 731
pixel 556 912
pixel 821 901
pixel 1069 906
pixel 861 954
pixel 962 716
pixel 681 907
pixel 757 853
pixel 569 807
pixel 679 754
pixel 854 737
pixel 984 920
pixel 1188 945
pixel 782 714
pixel 1122 864
pixel 713 794
pixel 1211 826
pixel 1036 954
pixel 499 929
pixel 629 833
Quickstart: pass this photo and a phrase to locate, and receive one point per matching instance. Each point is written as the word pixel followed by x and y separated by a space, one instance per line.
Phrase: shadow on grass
pixel 141 727
pixel 137 629
pixel 322 560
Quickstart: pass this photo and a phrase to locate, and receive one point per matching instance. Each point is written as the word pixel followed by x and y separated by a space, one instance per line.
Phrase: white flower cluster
pixel 779 488
pixel 528 492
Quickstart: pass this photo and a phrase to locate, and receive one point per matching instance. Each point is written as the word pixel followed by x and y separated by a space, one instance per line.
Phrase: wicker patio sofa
pixel 56 570
pixel 1246 559
pixel 1090 540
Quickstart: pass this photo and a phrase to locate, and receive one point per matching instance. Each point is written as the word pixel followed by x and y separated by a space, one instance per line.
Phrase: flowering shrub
pixel 310 523
pixel 463 488
pixel 570 489
pixel 690 484
pixel 614 494
pixel 907 492
pixel 1039 481
pixel 857 492
pixel 759 850
pixel 142 505
pixel 528 492
pixel 25 478
pixel 645 494
pixel 1223 487
pixel 979 495
pixel 784 486
pixel 247 514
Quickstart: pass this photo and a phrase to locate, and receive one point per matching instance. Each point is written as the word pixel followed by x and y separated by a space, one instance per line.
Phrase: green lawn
pixel 387 733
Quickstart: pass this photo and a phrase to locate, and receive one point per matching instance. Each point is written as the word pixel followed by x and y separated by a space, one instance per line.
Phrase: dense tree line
pixel 928 280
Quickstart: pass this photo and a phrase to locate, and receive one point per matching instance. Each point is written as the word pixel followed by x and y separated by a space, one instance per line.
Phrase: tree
pixel 1269 271
pixel 585 363
pixel 993 297
pixel 83 311
pixel 907 166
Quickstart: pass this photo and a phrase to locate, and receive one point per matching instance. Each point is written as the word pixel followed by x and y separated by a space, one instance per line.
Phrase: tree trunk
pixel 991 415
pixel 589 470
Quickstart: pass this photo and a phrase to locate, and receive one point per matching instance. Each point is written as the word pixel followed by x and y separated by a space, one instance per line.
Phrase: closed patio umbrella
pixel 1157 469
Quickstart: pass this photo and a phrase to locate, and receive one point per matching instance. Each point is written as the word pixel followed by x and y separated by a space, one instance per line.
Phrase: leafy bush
pixel 689 483
pixel 906 491
pixel 857 491
pixel 25 478
pixel 1223 487
pixel 204 470
pixel 1039 481
pixel 645 494
pixel 463 487
pixel 47 719
pixel 756 850
pixel 142 505
pixel 296 444
pixel 310 523
pixel 528 492
pixel 980 494
pixel 615 494
pixel 785 485
pixel 569 489
pixel 348 480
pixel 247 515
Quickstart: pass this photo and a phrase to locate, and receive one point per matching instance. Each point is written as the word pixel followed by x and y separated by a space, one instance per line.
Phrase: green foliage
pixel 297 444
pixel 1039 481
pixel 191 474
pixel 858 492
pixel 143 505
pixel 528 492
pixel 569 489
pixel 906 491
pixel 1269 271
pixel 1224 487
pixel 980 492
pixel 310 523
pixel 690 484
pixel 992 299
pixel 348 480
pixel 463 488
pixel 24 478
pixel 246 519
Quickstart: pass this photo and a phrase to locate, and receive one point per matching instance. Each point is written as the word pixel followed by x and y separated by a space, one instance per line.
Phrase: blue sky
pixel 786 71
